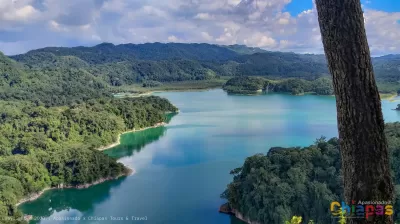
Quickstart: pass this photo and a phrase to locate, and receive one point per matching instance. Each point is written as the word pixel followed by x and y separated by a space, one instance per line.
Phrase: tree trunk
pixel 364 152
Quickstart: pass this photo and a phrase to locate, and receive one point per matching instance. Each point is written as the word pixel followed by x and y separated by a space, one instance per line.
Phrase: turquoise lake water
pixel 184 167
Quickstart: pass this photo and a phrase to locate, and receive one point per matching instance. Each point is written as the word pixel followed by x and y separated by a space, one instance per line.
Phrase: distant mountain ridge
pixel 172 62
pixel 243 49
pixel 107 52
pixel 204 60
pixel 166 51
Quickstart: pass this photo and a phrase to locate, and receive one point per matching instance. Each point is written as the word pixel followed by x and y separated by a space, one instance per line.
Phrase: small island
pixel 287 182
pixel 250 85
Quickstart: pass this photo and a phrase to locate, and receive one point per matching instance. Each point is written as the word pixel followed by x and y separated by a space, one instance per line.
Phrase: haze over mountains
pixel 45 90
pixel 60 75
pixel 177 62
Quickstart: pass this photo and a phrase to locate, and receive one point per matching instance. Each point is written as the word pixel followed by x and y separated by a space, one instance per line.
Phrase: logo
pixel 363 209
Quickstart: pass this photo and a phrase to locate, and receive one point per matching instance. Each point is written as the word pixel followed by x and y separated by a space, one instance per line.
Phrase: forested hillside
pixel 243 49
pixel 54 114
pixel 289 182
pixel 57 106
pixel 128 64
pixel 179 62
pixel 252 85
pixel 107 52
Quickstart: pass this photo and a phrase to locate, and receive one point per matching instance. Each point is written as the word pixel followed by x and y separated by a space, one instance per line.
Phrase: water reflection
pixel 75 202
pixel 135 141
pixel 184 167
pixel 69 200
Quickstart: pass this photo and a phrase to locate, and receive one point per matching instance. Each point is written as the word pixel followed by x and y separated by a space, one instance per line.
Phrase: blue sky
pixel 277 25
pixel 297 6
pixel 383 5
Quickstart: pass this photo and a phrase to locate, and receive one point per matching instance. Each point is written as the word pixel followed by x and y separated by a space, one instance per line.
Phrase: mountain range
pixel 81 72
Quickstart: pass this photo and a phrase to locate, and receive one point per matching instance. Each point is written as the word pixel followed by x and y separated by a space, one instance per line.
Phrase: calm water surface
pixel 184 167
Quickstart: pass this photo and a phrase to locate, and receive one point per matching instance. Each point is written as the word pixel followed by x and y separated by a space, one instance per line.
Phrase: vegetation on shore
pixel 44 147
pixel 137 89
pixel 253 85
pixel 155 65
pixel 57 107
pixel 52 120
pixel 302 182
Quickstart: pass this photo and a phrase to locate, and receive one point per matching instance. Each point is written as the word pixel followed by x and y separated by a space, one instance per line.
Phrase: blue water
pixel 184 167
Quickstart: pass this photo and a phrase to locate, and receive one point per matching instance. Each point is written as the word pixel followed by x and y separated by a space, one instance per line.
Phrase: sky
pixel 275 25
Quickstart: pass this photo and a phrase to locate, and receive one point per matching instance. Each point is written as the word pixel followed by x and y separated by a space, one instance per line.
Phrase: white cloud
pixel 233 2
pixel 383 31
pixel 96 38
pixel 54 25
pixel 260 23
pixel 206 36
pixel 204 16
pixel 173 39
pixel 85 27
pixel 21 14
pixel 15 14
pixel 154 11
pixel 255 16
pixel 114 6
pixel 260 40
pixel 283 21
pixel 283 43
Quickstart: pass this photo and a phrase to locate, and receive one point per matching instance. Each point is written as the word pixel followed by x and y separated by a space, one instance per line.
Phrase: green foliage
pixel 128 64
pixel 32 175
pixel 386 68
pixel 294 220
pixel 151 83
pixel 11 74
pixel 55 111
pixel 342 219
pixel 298 181
pixel 56 107
pixel 107 52
pixel 244 85
pixel 51 146
pixel 243 49
pixel 251 85
pixel 282 65
pixel 13 188
pixel 286 182
pixel 322 86
pixel 388 87
pixel 52 87
pixel 297 91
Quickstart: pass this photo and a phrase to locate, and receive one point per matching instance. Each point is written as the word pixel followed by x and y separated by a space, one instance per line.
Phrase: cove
pixel 182 168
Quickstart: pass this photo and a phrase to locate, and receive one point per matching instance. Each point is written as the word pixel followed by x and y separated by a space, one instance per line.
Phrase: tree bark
pixel 364 151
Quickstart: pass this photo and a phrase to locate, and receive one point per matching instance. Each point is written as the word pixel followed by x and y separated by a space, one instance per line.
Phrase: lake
pixel 181 169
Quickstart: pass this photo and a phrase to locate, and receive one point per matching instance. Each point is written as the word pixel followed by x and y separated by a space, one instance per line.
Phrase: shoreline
pixel 226 209
pixel 129 171
pixel 389 97
pixel 118 142
pixel 37 195
pixel 150 92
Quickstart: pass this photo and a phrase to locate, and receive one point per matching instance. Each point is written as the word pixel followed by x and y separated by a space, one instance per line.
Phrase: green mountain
pixel 56 104
pixel 243 49
pixel 55 111
pixel 273 187
pixel 107 52
pixel 136 63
